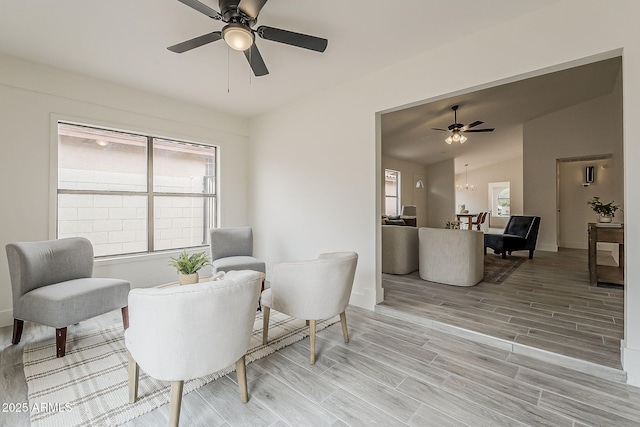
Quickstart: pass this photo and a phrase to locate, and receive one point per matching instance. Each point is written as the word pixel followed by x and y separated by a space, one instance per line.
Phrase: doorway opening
pixel 524 153
pixel 574 191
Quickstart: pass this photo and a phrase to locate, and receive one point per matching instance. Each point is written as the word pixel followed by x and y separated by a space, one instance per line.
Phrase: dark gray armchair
pixel 52 285
pixel 520 234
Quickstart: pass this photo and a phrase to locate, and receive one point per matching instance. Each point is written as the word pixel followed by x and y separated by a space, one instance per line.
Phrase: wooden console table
pixel 605 273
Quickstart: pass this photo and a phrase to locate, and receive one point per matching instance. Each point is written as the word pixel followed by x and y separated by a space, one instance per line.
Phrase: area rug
pixel 497 270
pixel 89 386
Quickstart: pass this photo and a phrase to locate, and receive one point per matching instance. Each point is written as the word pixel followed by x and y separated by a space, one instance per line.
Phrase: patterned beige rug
pixel 497 270
pixel 89 386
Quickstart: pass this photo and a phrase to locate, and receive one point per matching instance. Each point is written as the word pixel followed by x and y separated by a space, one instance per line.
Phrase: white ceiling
pixel 124 41
pixel 407 134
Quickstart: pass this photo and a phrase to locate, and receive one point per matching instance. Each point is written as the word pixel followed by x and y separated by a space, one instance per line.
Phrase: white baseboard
pixel 574 245
pixel 546 247
pixel 379 295
pixel 364 300
pixel 630 358
pixel 6 318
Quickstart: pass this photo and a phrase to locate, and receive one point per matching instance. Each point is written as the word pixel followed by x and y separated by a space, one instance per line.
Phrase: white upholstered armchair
pixel 186 332
pixel 311 290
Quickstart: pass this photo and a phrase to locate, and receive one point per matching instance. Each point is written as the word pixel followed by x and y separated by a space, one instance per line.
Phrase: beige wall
pixel 34 96
pixel 441 202
pixel 575 213
pixel 478 201
pixel 409 194
pixel 588 129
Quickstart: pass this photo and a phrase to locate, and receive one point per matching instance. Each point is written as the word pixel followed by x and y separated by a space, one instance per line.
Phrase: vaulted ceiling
pixel 407 133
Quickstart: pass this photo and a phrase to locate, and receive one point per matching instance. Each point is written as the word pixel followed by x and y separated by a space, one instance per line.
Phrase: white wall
pixel 588 129
pixel 321 152
pixel 441 197
pixel 409 194
pixel 32 98
pixel 478 200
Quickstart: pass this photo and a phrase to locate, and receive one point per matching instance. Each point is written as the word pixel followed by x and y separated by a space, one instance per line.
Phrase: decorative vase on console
pixel 605 211
pixel 605 218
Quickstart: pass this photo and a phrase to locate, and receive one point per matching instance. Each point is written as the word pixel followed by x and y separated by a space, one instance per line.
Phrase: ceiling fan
pixel 240 16
pixel 456 129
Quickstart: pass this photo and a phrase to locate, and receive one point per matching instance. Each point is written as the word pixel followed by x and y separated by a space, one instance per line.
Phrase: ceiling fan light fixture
pixel 456 136
pixel 238 36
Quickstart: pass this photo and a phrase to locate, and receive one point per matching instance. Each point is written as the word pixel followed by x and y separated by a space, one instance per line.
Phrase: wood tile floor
pixel 546 304
pixel 391 373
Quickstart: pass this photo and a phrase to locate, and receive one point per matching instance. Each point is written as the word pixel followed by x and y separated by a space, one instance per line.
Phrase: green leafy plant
pixel 189 264
pixel 603 208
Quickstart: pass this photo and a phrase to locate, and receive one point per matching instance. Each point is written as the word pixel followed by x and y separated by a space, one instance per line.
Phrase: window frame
pixel 149 194
pixel 397 187
pixel 495 188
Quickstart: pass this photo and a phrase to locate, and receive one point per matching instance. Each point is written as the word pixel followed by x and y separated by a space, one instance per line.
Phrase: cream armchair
pixel 185 332
pixel 311 290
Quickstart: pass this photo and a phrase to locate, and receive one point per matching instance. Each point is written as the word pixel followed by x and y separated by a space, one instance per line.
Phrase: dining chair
pixel 184 332
pixel 311 290
pixel 480 220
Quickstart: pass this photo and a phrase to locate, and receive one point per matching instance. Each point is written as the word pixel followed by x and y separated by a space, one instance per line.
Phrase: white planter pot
pixel 605 218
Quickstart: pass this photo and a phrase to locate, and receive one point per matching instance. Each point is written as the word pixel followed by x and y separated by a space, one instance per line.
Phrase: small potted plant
pixel 605 211
pixel 188 266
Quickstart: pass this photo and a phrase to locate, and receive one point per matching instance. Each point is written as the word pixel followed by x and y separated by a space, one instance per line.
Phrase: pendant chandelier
pixel 466 185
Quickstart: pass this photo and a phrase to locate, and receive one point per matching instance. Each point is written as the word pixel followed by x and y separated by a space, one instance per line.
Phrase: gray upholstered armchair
pixel 311 290
pixel 232 249
pixel 520 234
pixel 52 285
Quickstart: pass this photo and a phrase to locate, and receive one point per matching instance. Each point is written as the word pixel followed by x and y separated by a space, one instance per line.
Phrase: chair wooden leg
pixel 504 254
pixel 241 373
pixel 61 341
pixel 530 253
pixel 134 375
pixel 265 324
pixel 17 330
pixel 345 331
pixel 312 342
pixel 175 403
pixel 125 317
pixel 261 291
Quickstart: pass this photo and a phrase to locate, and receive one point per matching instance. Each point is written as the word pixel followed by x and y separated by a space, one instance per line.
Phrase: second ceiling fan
pixel 457 129
pixel 240 16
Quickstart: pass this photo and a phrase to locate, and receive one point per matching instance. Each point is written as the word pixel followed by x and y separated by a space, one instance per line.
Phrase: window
pixel 500 199
pixel 391 192
pixel 130 193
